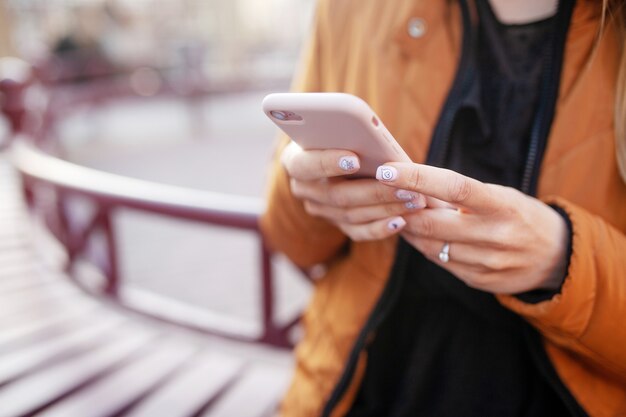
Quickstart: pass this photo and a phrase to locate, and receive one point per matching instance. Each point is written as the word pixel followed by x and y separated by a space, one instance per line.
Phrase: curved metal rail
pixel 110 192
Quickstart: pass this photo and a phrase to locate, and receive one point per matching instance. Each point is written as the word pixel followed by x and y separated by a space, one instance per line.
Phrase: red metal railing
pixel 49 184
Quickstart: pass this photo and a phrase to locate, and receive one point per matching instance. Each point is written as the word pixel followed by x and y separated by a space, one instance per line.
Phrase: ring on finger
pixel 444 254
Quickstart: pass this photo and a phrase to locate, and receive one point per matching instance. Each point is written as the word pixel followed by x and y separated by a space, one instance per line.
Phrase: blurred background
pixel 220 58
pixel 167 91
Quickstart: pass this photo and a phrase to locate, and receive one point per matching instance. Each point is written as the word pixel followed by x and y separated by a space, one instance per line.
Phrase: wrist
pixel 553 281
pixel 562 251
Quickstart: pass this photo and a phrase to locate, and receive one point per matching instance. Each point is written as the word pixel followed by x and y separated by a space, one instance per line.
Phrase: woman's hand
pixel 364 209
pixel 500 240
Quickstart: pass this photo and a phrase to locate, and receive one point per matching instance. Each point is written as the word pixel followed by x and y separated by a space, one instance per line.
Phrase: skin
pixel 523 11
pixel 501 240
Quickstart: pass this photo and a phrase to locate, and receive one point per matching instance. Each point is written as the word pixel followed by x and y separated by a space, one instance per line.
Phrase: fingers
pixel 479 259
pixel 318 164
pixel 443 184
pixel 377 230
pixel 477 267
pixel 357 192
pixel 451 225
pixel 358 214
pixel 483 268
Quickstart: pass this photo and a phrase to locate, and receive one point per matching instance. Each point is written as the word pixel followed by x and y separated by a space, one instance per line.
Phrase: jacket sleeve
pixel 589 315
pixel 286 226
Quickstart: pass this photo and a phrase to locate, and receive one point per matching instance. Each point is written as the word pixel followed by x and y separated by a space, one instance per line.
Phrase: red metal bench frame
pixel 50 182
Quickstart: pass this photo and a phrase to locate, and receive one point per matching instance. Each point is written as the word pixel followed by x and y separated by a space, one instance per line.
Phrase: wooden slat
pixel 8 231
pixel 12 229
pixel 255 395
pixel 17 258
pixel 11 203
pixel 11 306
pixel 11 218
pixel 37 390
pixel 39 304
pixel 10 199
pixel 29 314
pixel 10 287
pixel 10 183
pixel 113 393
pixel 11 207
pixel 173 310
pixel 36 356
pixel 14 222
pixel 18 242
pixel 17 251
pixel 12 270
pixel 37 273
pixel 25 275
pixel 192 387
pixel 54 323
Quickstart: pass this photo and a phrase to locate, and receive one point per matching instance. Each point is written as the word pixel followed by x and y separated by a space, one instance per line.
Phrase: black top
pixel 490 135
pixel 446 349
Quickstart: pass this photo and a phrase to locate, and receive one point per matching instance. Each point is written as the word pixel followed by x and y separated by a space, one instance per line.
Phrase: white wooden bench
pixel 68 353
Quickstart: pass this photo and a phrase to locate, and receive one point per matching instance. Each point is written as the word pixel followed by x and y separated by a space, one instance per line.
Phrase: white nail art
pixel 411 205
pixel 405 195
pixel 386 173
pixel 349 163
pixel 396 223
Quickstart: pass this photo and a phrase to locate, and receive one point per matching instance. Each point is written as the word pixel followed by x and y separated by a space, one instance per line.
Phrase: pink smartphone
pixel 335 121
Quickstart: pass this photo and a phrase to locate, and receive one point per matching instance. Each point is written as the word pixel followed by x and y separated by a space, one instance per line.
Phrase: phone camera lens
pixel 277 114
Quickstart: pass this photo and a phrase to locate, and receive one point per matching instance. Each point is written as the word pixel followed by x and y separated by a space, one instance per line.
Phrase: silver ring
pixel 444 255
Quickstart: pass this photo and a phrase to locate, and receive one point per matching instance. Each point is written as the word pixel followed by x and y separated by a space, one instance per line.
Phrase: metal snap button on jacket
pixel 416 27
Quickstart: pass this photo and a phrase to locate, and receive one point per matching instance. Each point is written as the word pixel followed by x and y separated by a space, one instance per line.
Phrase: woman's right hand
pixel 364 209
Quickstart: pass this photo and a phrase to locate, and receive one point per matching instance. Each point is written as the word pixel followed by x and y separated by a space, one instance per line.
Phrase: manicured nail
pixel 386 173
pixel 349 163
pixel 414 205
pixel 396 223
pixel 419 202
pixel 406 195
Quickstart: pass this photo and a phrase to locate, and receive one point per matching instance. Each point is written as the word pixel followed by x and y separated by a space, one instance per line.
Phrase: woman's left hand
pixel 500 240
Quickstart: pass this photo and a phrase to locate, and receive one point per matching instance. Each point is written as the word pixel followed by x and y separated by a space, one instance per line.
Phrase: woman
pixel 507 299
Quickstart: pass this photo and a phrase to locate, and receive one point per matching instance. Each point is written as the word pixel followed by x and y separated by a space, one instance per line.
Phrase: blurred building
pixel 5 36
pixel 230 38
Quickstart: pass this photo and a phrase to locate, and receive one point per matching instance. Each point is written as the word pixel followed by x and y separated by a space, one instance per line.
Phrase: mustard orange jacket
pixel 363 47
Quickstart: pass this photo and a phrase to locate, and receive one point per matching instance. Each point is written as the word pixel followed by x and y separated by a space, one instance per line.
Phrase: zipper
pixel 436 155
pixel 553 60
pixel 540 131
pixel 380 311
pixel 465 74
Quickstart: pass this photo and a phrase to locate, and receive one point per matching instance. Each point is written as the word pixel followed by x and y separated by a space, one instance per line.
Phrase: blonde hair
pixel 615 10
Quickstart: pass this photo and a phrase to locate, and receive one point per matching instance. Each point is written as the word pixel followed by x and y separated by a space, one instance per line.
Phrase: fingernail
pixel 396 223
pixel 406 195
pixel 414 205
pixel 349 163
pixel 386 173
